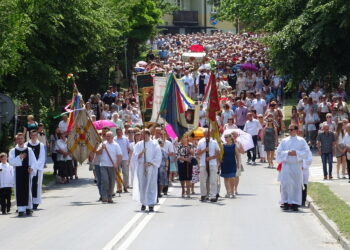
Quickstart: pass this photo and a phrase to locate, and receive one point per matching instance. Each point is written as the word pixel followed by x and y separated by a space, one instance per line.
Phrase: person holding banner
pixel 205 174
pixel 111 158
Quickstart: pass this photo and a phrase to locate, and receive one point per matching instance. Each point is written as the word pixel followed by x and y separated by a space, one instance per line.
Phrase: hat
pixel 273 103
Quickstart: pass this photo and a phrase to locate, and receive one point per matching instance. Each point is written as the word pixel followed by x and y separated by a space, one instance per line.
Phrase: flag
pixel 75 104
pixel 172 106
pixel 213 107
pixel 83 137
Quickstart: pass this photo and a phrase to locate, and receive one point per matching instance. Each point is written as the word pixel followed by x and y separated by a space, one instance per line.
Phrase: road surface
pixel 72 218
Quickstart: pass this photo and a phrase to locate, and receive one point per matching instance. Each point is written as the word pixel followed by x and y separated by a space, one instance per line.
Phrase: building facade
pixel 194 16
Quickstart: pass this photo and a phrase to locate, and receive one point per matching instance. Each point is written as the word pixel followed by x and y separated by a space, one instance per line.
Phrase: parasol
pixel 103 123
pixel 243 138
pixel 248 66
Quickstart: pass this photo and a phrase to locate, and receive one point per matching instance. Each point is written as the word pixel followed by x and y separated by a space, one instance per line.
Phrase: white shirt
pixel 315 96
pixel 259 106
pixel 324 107
pixel 347 140
pixel 63 126
pixel 42 155
pixel 188 79
pixel 168 147
pixel 202 119
pixel 114 150
pixel 6 175
pixel 311 118
pixel 213 147
pixel 226 115
pixel 276 81
pixel 124 146
pixel 62 145
pixel 252 127
pixel 347 144
pixel 341 139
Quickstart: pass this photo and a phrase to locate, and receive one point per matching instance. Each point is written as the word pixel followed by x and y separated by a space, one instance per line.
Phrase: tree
pixel 63 34
pixel 14 26
pixel 307 38
pixel 143 19
pixel 315 43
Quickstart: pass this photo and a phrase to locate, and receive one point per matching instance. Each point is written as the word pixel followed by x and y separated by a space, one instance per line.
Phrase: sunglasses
pixel 291 129
pixel 227 137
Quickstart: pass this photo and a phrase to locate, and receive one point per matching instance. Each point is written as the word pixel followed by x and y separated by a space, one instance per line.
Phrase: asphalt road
pixel 71 218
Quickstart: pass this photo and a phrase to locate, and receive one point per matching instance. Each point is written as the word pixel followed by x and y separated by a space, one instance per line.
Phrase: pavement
pixel 340 187
pixel 72 218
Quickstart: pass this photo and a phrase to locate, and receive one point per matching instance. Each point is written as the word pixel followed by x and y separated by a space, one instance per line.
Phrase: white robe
pixel 291 175
pixel 16 162
pixel 39 170
pixel 145 184
pixel 306 167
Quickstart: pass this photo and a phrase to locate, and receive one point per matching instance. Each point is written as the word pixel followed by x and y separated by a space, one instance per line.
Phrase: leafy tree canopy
pixel 308 38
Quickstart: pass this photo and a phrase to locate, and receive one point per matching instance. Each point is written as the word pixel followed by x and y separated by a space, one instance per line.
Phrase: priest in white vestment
pixel 292 151
pixel 146 171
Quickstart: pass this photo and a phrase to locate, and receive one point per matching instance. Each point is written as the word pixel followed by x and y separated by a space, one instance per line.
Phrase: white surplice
pixel 16 162
pixel 39 169
pixel 291 175
pixel 145 181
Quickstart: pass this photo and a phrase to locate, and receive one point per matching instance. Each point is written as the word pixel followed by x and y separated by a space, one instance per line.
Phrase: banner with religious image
pixel 146 92
pixel 158 95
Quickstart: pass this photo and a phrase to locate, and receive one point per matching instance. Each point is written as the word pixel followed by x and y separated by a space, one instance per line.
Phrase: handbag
pixel 242 169
pixel 194 161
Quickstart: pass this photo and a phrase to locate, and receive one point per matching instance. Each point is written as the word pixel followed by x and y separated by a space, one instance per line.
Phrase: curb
pixel 329 224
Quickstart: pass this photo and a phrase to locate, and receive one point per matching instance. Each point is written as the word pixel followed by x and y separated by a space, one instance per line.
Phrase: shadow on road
pixel 79 203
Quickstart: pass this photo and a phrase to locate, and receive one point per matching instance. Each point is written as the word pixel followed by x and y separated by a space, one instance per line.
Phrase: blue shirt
pixel 163 54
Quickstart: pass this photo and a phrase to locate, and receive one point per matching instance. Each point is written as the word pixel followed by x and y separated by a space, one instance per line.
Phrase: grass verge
pixel 47 178
pixel 336 209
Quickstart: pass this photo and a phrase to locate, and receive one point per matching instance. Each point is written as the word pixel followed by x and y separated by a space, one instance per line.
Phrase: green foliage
pixel 14 26
pixel 315 43
pixel 142 25
pixel 43 40
pixel 308 38
pixel 165 6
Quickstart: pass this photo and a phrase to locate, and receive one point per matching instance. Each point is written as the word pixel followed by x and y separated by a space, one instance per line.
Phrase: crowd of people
pixel 322 119
pixel 148 161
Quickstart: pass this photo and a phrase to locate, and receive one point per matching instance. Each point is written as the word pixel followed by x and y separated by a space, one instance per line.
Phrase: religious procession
pixel 192 114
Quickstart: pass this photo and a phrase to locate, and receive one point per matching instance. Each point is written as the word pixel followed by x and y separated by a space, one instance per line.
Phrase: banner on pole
pixel 158 95
pixel 146 91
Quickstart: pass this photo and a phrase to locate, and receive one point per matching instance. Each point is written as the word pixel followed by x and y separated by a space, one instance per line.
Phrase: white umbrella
pixel 243 138
pixel 141 64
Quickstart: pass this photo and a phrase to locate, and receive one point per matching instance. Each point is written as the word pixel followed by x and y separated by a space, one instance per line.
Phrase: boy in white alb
pixel 6 183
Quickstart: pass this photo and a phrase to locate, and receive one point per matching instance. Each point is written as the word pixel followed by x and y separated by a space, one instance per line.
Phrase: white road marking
pixel 123 232
pixel 140 227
